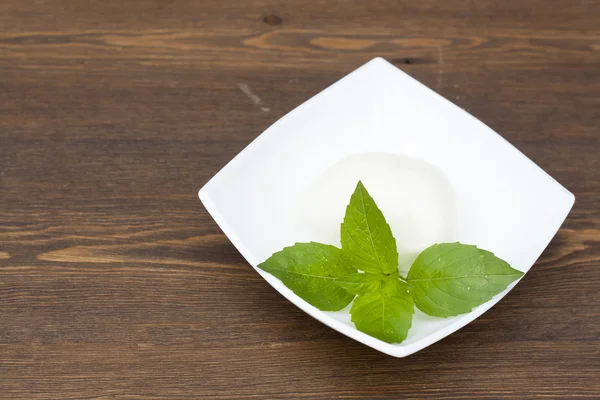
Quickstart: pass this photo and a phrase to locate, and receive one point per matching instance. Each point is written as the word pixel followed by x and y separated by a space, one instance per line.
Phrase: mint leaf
pixel 449 279
pixel 385 313
pixel 359 283
pixel 367 237
pixel 310 270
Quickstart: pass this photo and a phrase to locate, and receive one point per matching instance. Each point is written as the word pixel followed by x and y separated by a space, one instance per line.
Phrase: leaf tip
pixel 262 266
pixel 519 273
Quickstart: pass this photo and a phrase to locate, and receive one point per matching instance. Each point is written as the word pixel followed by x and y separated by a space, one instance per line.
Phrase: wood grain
pixel 115 283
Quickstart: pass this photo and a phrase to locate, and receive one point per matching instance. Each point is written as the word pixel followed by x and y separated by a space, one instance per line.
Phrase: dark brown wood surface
pixel 115 283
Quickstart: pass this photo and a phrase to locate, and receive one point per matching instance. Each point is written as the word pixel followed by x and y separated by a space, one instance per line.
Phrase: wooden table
pixel 115 283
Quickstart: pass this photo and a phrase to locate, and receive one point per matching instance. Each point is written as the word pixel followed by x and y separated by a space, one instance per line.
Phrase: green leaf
pixel 359 283
pixel 385 313
pixel 367 237
pixel 310 270
pixel 449 279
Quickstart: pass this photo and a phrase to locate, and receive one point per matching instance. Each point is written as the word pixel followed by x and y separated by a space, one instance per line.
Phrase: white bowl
pixel 445 176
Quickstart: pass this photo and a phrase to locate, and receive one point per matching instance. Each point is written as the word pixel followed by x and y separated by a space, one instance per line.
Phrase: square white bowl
pixel 465 183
